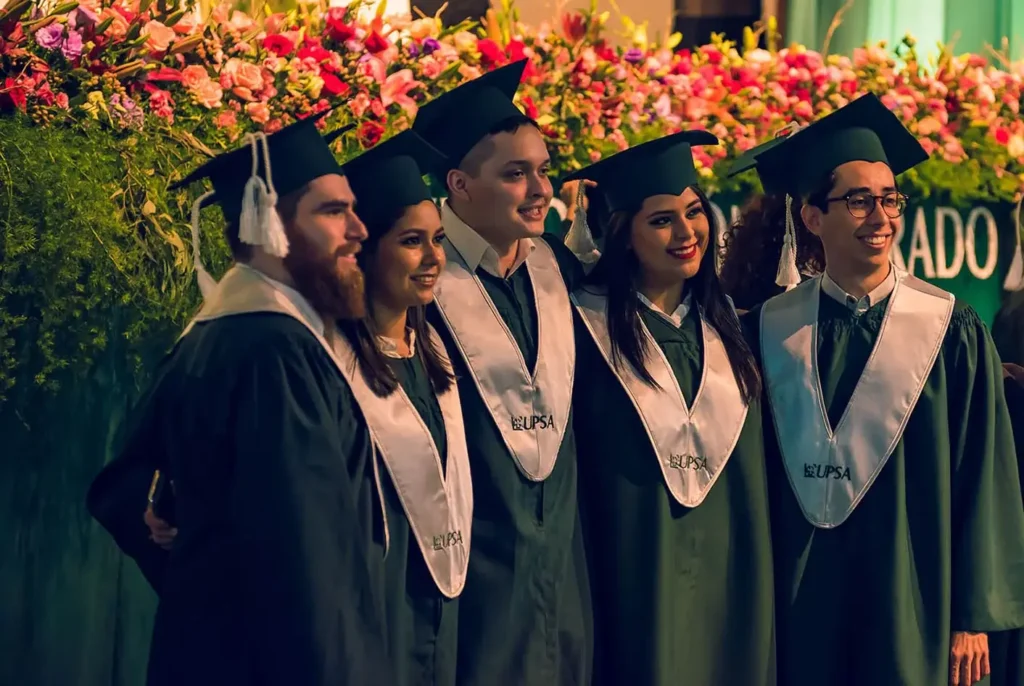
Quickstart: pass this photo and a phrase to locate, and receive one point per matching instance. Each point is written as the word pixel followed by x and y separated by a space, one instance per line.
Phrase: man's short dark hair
pixel 287 207
pixel 474 158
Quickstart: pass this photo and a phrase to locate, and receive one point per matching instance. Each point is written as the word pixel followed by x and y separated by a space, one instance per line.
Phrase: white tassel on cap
pixel 259 223
pixel 788 275
pixel 1014 280
pixel 579 239
pixel 207 284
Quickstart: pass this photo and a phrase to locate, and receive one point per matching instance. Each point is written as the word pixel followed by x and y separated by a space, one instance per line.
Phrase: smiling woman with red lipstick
pixel 672 490
pixel 412 405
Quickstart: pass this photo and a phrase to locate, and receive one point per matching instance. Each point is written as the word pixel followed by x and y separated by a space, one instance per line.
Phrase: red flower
pixel 334 86
pixel 13 95
pixel 337 29
pixel 164 74
pixel 490 53
pixel 1002 135
pixel 712 53
pixel 375 43
pixel 279 45
pixel 604 52
pixel 370 133
pixel 314 50
pixel 516 50
pixel 530 108
pixel 574 26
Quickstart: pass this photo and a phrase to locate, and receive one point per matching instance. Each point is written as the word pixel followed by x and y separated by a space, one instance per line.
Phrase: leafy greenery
pixel 89 235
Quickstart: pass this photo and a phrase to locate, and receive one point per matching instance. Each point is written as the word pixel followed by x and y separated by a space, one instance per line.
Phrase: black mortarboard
pixel 772 183
pixel 660 167
pixel 390 176
pixel 864 130
pixel 299 153
pixel 459 119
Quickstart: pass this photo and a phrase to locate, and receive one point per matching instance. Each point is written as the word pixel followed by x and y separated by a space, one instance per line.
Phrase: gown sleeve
pixel 312 616
pixel 988 515
pixel 118 496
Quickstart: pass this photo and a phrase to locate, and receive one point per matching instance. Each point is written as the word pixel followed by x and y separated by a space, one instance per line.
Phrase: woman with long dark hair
pixel 672 481
pixel 401 376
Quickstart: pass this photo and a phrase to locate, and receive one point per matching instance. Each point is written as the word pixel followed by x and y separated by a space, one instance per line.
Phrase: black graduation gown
pixel 680 595
pixel 422 624
pixel 937 543
pixel 524 617
pixel 272 578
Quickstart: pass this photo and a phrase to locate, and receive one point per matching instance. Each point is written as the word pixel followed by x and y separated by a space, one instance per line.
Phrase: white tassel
pixel 579 239
pixel 207 284
pixel 1014 280
pixel 259 223
pixel 788 275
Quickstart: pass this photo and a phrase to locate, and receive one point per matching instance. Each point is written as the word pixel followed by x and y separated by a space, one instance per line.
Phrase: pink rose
pixel 158 36
pixel 275 22
pixel 62 100
pixel 208 94
pixel 225 119
pixel 118 28
pixel 193 75
pixel 258 112
pixel 249 76
pixel 243 93
pixel 359 104
pixel 241 22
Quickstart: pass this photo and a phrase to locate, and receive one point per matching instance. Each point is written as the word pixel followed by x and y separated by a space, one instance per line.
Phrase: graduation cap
pixel 248 181
pixel 459 119
pixel 624 180
pixel 663 166
pixel 772 183
pixel 864 130
pixel 390 176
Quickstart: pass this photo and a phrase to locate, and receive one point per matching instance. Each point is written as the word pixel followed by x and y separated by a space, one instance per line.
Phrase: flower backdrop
pixel 126 96
pixel 136 64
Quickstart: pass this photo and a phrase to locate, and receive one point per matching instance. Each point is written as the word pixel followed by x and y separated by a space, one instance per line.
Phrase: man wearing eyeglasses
pixel 898 528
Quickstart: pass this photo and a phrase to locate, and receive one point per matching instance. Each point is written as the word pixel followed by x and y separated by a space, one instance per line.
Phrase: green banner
pixel 964 250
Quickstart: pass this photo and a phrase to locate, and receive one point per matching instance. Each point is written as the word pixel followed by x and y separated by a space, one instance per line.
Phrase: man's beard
pixel 335 290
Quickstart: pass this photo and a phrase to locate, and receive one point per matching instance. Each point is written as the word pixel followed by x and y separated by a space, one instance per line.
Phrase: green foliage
pixel 89 236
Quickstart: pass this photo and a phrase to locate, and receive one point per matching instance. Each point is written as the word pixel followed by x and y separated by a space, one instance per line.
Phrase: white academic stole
pixel 439 508
pixel 530 409
pixel 831 470
pixel 692 445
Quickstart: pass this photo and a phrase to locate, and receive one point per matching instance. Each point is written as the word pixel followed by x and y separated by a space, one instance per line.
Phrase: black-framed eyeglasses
pixel 861 204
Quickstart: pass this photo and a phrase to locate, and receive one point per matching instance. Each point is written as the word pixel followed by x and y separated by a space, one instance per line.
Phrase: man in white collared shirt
pixel 898 528
pixel 503 304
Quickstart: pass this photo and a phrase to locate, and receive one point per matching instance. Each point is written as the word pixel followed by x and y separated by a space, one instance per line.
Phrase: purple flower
pixel 634 55
pixel 72 46
pixel 414 50
pixel 49 37
pixel 82 18
pixel 430 45
pixel 126 112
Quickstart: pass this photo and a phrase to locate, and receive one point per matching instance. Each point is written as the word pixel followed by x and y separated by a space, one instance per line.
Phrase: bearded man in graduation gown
pixel 898 528
pixel 272 577
pixel 503 307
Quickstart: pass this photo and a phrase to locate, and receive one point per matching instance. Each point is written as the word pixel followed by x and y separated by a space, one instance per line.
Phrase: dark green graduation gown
pixel 422 624
pixel 1007 647
pixel 681 595
pixel 524 616
pixel 936 545
pixel 272 577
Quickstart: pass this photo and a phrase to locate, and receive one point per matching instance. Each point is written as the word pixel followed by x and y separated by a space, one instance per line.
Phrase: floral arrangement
pixel 138 64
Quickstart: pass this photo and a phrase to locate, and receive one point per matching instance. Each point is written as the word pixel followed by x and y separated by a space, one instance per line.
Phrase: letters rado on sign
pixel 825 471
pixel 445 541
pixel 533 422
pixel 687 462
